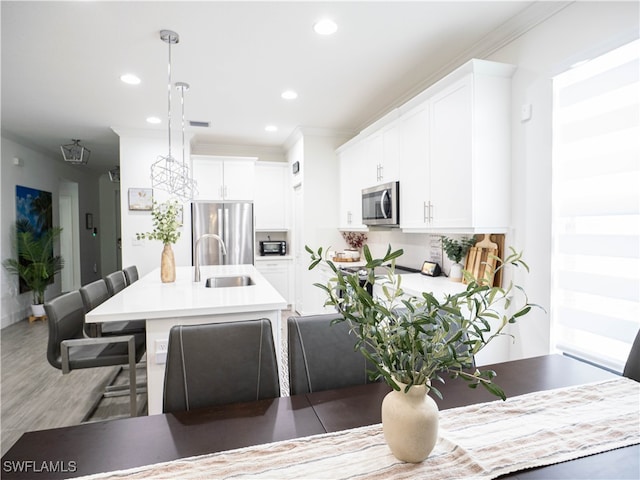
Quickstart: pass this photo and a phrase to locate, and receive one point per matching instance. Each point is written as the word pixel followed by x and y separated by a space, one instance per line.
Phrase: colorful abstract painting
pixel 33 212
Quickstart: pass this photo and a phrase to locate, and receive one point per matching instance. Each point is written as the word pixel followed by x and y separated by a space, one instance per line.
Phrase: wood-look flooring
pixel 36 396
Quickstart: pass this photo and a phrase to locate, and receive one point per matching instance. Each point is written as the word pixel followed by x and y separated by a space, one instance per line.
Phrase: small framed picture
pixel 89 221
pixel 140 198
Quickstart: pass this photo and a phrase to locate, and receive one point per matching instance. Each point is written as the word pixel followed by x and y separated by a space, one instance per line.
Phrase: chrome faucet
pixel 197 253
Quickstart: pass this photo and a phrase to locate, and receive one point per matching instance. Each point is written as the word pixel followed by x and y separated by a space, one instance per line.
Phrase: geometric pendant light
pixel 167 173
pixel 75 153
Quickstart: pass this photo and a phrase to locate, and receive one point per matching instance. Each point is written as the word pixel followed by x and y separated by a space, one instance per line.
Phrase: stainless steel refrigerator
pixel 233 222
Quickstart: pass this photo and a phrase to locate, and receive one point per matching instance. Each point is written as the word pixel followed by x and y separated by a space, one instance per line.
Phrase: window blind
pixel 595 264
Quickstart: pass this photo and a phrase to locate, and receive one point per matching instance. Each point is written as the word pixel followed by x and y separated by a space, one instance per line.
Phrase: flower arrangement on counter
pixel 165 223
pixel 355 239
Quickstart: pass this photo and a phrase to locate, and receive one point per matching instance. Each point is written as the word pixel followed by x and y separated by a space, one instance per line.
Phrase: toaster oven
pixel 273 247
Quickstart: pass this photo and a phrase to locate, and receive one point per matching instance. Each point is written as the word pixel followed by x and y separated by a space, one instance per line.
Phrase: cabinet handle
pixel 348 218
pixel 381 174
pixel 226 193
pixel 431 206
pixel 425 215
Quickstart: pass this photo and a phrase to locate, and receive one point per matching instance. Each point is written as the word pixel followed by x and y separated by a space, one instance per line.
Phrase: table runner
pixel 481 441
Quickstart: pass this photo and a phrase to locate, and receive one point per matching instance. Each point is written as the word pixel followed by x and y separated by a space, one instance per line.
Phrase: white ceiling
pixel 61 63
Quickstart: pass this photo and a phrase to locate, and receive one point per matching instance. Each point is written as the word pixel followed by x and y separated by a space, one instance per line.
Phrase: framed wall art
pixel 140 198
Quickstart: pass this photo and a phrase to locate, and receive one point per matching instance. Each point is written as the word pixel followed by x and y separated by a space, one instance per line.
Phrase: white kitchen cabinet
pixel 278 272
pixel 414 168
pixel 469 152
pixel 224 178
pixel 271 202
pixel 351 165
pixel 455 153
pixel 381 161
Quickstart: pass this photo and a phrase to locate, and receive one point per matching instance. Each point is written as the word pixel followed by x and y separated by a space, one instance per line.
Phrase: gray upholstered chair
pixel 68 349
pixel 219 363
pixel 116 282
pixel 94 294
pixel 322 355
pixel 130 274
pixel 632 367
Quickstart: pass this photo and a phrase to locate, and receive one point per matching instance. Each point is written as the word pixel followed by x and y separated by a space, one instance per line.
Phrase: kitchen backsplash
pixel 417 247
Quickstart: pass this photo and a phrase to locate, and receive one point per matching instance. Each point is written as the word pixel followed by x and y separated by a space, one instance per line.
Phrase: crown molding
pixel 512 29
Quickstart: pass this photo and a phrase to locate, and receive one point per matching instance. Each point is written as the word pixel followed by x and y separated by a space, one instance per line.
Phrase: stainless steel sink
pixel 229 281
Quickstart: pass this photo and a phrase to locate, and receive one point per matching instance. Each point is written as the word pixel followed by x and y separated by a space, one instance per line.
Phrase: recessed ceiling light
pixel 130 79
pixel 325 27
pixel 289 95
pixel 154 120
pixel 271 128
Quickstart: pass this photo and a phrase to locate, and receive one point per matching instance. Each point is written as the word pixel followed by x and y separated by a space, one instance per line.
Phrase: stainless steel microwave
pixel 381 205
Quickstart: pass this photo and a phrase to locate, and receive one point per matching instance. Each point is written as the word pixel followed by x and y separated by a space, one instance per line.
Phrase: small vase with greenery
pixel 35 264
pixel 165 229
pixel 417 341
pixel 456 250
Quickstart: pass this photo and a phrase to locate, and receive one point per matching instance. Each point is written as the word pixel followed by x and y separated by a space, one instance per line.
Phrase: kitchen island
pixel 184 302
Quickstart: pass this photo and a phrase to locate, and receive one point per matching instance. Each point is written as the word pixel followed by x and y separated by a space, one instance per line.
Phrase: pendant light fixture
pixel 167 173
pixel 75 153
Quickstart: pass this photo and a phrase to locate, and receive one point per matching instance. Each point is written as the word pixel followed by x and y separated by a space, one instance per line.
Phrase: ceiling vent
pixel 196 123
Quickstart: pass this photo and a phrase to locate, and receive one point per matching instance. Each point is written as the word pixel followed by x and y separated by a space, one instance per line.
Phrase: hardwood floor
pixel 36 396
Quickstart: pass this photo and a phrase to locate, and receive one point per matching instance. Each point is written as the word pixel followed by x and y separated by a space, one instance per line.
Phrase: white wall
pixel 316 222
pixel 139 149
pixel 44 172
pixel 582 30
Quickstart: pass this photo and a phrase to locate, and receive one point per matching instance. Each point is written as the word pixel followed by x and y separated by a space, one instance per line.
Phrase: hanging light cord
pixel 169 97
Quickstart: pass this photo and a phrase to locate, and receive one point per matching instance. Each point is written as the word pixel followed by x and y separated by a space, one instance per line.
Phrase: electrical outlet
pixel 161 351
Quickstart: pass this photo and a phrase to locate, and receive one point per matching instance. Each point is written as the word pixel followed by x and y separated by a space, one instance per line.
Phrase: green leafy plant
pixel 35 262
pixel 165 222
pixel 457 249
pixel 419 340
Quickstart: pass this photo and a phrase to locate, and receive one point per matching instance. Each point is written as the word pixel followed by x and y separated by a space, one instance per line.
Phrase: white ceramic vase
pixel 37 310
pixel 410 423
pixel 455 274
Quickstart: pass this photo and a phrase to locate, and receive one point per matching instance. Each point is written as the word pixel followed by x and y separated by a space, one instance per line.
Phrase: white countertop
pixel 149 298
pixel 416 283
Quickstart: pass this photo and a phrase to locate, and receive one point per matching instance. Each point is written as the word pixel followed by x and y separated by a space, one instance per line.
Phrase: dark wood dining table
pixel 132 442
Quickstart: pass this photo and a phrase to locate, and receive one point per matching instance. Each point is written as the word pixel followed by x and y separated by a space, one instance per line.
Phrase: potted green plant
pixel 415 342
pixel 456 251
pixel 165 228
pixel 35 264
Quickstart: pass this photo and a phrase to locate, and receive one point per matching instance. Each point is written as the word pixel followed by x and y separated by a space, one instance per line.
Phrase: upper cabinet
pixel 381 162
pixel 351 164
pixel 450 149
pixel 224 178
pixel 271 205
pixel 415 191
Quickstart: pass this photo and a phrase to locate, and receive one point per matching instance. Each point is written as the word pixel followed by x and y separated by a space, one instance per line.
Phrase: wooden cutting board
pixel 481 260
